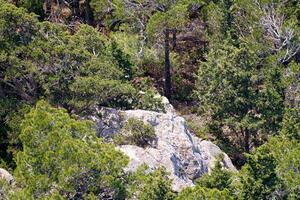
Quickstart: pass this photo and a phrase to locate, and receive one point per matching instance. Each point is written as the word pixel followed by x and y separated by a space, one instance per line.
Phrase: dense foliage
pixel 234 63
pixel 61 157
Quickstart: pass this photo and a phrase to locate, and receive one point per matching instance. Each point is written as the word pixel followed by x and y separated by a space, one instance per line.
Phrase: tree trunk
pixel 247 141
pixel 16 2
pixel 174 32
pixel 168 85
pixel 297 58
pixel 75 9
pixel 47 8
pixel 89 18
pixel 2 95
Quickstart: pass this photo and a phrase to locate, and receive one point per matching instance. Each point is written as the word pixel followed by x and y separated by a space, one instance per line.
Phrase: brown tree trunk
pixel 168 84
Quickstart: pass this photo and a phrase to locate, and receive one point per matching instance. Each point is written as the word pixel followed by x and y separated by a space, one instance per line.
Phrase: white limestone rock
pixel 4 174
pixel 184 156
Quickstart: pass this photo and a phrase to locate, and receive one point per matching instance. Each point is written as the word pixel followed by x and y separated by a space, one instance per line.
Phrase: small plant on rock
pixel 136 132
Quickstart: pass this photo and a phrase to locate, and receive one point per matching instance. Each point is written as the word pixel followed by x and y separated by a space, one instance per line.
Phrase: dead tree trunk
pixel 168 84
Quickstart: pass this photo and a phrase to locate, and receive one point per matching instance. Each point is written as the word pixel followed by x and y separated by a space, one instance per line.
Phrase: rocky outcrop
pixel 184 156
pixel 6 176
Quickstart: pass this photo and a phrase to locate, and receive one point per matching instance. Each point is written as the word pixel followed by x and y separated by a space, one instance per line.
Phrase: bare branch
pixel 283 38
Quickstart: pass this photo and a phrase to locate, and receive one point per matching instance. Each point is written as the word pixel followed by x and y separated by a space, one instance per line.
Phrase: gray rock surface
pixel 6 176
pixel 184 156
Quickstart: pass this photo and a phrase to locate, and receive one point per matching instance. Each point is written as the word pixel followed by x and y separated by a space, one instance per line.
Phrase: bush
pixel 198 130
pixel 147 97
pixel 149 100
pixel 218 178
pixel 154 185
pixel 62 156
pixel 91 91
pixel 136 132
pixel 202 193
pixel 291 123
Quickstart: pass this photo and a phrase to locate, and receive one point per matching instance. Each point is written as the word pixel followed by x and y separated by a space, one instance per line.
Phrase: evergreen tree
pixel 62 157
pixel 242 94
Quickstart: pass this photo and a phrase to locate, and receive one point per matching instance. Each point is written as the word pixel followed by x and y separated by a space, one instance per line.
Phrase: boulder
pixel 185 156
pixel 6 176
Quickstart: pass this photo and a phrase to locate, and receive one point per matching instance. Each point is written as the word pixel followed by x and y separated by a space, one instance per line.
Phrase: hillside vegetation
pixel 231 66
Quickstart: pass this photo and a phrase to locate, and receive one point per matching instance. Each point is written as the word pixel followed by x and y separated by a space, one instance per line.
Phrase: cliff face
pixel 184 156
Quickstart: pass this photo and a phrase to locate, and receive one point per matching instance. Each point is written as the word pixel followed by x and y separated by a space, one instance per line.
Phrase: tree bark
pixel 174 41
pixel 168 84
pixel 247 141
pixel 297 58
pixel 47 8
pixel 89 18
pixel 75 9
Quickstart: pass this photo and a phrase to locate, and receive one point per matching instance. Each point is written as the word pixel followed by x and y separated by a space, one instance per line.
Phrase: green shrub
pixel 202 193
pixel 198 130
pixel 136 132
pixel 149 100
pixel 154 185
pixel 147 97
pixel 61 155
pixel 291 123
pixel 218 178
